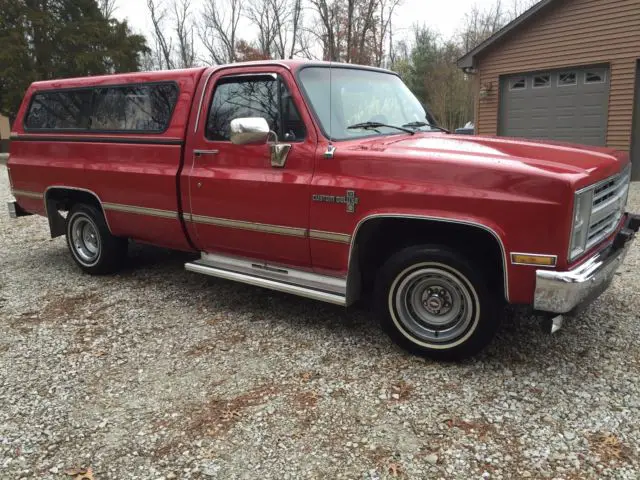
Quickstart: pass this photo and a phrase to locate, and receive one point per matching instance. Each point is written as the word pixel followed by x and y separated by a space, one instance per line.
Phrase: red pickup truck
pixel 327 181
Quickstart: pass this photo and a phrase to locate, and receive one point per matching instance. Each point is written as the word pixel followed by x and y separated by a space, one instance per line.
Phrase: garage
pixel 564 70
pixel 568 105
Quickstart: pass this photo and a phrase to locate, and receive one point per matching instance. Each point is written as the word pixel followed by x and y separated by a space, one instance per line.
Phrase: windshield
pixel 358 96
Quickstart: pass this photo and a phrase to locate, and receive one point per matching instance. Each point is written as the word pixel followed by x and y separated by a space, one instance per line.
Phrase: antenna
pixel 330 147
pixel 330 100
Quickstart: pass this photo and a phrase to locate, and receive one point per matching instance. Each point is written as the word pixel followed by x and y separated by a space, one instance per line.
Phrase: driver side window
pixel 265 96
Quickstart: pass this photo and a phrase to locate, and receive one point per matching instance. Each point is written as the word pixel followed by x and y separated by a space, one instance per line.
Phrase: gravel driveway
pixel 160 373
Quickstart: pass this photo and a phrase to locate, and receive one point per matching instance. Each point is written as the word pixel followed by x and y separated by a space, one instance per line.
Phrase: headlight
pixel 581 218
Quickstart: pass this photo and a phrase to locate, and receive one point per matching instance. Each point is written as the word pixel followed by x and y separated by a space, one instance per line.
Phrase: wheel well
pixel 377 239
pixel 60 199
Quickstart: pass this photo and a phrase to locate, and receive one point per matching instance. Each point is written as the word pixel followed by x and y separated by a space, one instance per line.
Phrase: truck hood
pixel 593 163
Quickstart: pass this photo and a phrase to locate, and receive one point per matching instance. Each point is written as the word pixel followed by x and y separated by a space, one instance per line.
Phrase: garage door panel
pixel 591 123
pixel 566 101
pixel 594 102
pixel 537 124
pixel 573 113
pixel 564 122
pixel 520 104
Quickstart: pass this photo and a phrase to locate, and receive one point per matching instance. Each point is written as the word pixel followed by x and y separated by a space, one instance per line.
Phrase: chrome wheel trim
pixel 84 240
pixel 441 318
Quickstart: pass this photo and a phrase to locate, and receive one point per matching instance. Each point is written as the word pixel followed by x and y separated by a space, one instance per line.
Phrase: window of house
pixel 566 79
pixel 541 81
pixel 595 76
pixel 264 96
pixel 517 83
pixel 145 108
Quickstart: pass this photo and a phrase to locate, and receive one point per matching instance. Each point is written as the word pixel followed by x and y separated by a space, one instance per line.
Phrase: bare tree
pixel 328 13
pixel 481 24
pixel 108 8
pixel 218 29
pixel 163 49
pixel 184 32
pixel 367 13
pixel 383 30
pixel 172 24
pixel 518 7
pixel 354 31
pixel 261 13
pixel 287 19
pixel 279 27
pixel 295 21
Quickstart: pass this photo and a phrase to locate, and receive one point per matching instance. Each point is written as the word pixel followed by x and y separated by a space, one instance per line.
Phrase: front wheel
pixel 90 242
pixel 433 302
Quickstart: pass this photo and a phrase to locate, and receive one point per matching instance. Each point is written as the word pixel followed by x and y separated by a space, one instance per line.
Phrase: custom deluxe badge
pixel 350 199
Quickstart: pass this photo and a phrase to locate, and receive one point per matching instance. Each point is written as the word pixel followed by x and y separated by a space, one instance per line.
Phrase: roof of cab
pixel 169 75
pixel 297 64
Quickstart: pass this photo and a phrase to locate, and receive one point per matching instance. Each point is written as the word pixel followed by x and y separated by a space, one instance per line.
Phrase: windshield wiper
pixel 376 125
pixel 425 124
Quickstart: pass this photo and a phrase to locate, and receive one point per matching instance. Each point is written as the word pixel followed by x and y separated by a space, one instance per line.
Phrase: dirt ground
pixel 159 373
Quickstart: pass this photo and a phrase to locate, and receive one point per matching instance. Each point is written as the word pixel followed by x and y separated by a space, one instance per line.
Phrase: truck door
pixel 239 202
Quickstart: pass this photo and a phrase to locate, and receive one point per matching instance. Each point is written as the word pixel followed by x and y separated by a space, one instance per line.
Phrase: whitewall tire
pixel 433 302
pixel 90 242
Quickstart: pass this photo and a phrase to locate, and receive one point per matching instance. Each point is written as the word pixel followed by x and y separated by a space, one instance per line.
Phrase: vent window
pixel 541 81
pixel 517 83
pixel 567 79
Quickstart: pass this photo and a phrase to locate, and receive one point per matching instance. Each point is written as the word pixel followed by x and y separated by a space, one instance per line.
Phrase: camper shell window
pixel 134 108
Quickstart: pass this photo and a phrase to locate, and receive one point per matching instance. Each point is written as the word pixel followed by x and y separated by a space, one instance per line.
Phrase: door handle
pixel 200 153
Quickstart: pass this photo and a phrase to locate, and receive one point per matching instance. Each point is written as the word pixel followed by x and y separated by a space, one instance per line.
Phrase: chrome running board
pixel 283 279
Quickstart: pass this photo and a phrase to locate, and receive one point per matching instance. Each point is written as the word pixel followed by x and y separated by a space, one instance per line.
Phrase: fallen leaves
pixel 307 376
pixel 401 390
pixel 80 473
pixel 217 415
pixel 395 469
pixel 481 429
pixel 608 447
pixel 304 400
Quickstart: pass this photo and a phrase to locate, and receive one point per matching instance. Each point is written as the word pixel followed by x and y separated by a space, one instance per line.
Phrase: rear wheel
pixel 433 302
pixel 90 242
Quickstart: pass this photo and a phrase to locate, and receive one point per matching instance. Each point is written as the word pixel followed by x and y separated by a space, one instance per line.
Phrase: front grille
pixel 609 201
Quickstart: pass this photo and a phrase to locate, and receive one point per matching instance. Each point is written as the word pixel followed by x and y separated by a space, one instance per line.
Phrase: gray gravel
pixel 159 373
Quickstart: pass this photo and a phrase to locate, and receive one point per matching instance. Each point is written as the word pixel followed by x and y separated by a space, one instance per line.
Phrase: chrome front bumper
pixel 561 292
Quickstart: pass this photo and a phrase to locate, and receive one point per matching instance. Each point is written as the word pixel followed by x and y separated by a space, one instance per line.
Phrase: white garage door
pixel 567 105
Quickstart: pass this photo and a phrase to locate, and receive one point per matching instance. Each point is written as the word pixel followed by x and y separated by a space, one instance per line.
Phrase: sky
pixel 444 16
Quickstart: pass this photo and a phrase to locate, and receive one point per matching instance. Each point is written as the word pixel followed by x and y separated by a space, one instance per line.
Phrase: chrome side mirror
pixel 249 131
pixel 255 131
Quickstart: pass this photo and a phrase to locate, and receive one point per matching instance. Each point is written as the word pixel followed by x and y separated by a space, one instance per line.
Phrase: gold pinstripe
pixel 26 193
pixel 153 212
pixel 217 221
pixel 244 225
pixel 330 236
